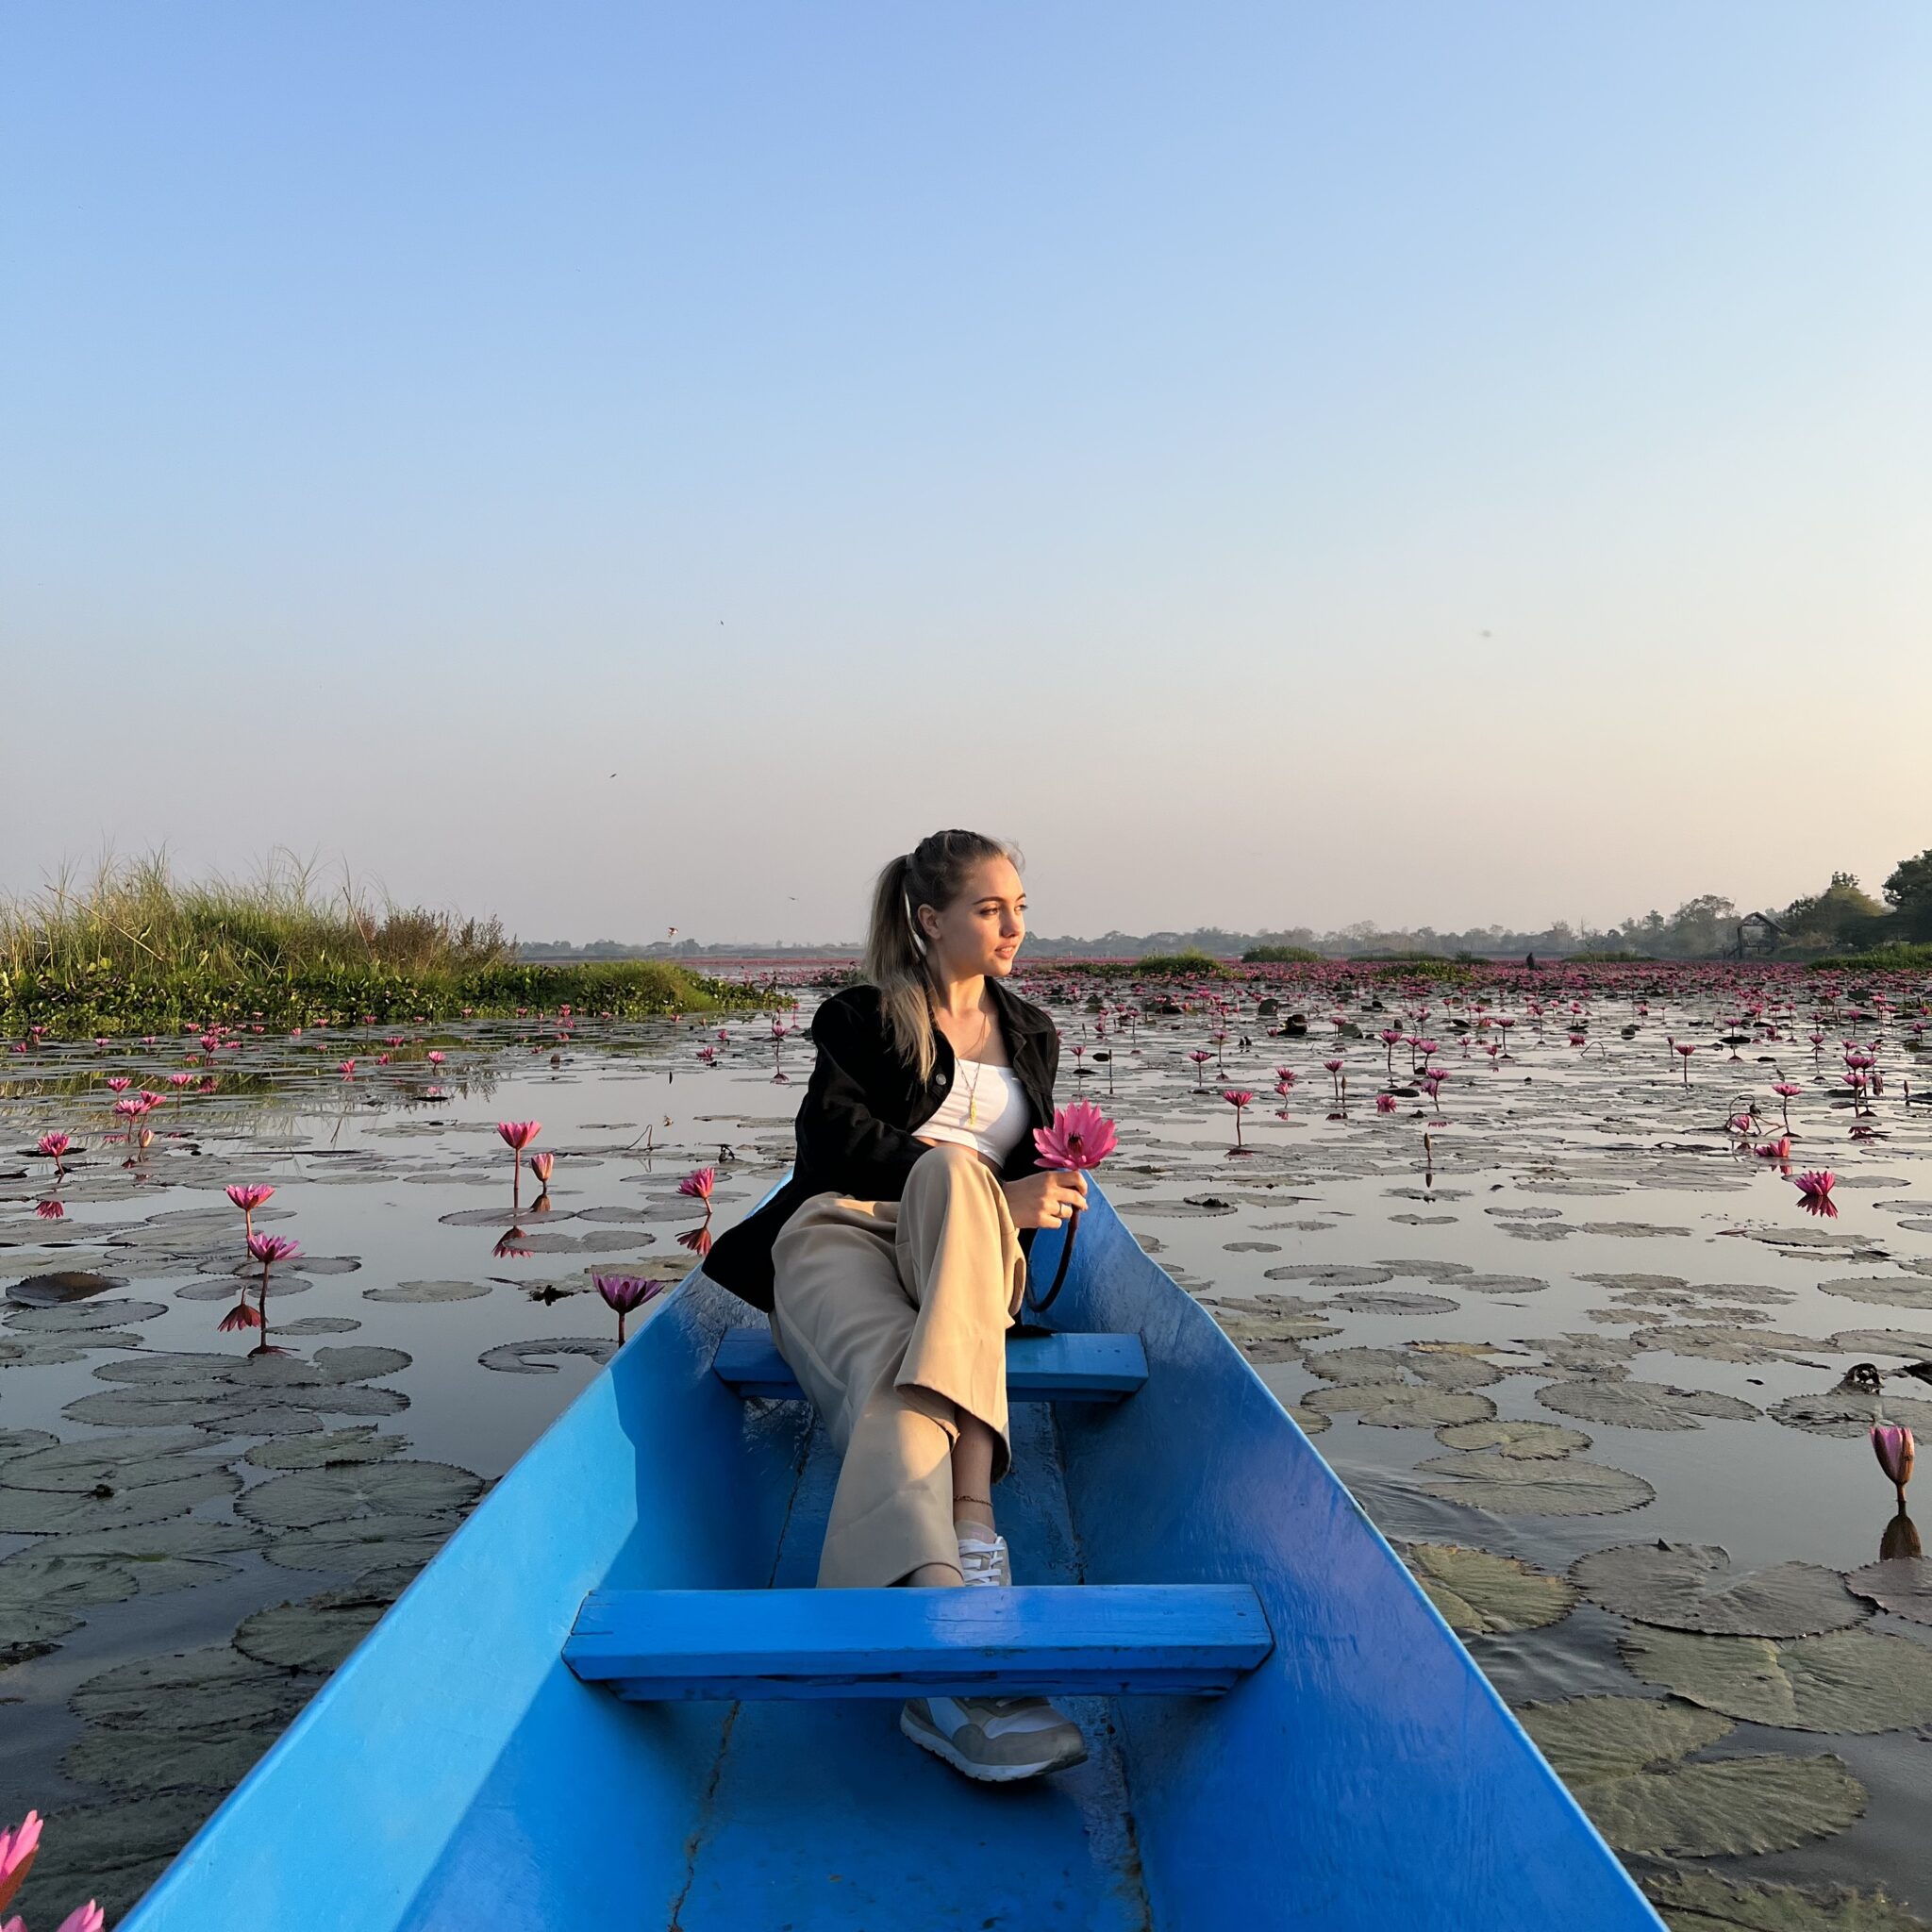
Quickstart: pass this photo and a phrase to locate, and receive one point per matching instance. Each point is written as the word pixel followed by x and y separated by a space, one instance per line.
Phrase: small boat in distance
pixel 614 1699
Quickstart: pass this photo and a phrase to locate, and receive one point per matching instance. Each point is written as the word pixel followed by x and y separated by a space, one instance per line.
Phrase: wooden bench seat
pixel 1039 1368
pixel 1119 1638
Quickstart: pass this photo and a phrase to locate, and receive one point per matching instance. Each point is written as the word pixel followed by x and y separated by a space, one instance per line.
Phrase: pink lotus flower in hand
pixel 1814 1192
pixel 1080 1137
pixel 1894 1447
pixel 17 1848
pixel 697 1184
pixel 89 1918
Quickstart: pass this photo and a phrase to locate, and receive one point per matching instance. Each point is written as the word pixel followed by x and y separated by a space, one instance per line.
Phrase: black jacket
pixel 854 1126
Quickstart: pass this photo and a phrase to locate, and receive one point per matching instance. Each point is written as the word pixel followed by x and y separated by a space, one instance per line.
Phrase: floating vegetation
pixel 527 1357
pixel 1616 1402
pixel 1521 1486
pixel 1624 1760
pixel 1848 1680
pixel 1899 1585
pixel 428 1291
pixel 1707 1902
pixel 341 1493
pixel 316 1634
pixel 1482 1594
pixel 1693 1587
pixel 1846 1412
pixel 1527 1442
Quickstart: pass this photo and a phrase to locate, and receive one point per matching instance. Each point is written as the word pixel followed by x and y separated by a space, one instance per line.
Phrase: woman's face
pixel 981 930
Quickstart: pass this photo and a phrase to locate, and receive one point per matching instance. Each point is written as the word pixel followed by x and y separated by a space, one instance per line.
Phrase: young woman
pixel 893 1262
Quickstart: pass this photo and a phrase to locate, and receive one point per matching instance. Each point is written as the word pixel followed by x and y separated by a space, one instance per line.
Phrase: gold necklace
pixel 973 1081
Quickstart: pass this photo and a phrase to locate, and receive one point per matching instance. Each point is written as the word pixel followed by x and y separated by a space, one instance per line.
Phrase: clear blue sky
pixel 1279 463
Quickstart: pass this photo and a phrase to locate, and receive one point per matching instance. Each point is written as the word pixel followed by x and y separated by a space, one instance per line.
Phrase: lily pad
pixel 335 1495
pixel 1437 1369
pixel 428 1291
pixel 1693 1587
pixel 1616 1402
pixel 1622 1758
pixel 1524 1442
pixel 361 1543
pixel 75 1318
pixel 329 1450
pixel 1884 1291
pixel 1844 1412
pixel 525 1357
pixel 47 1290
pixel 1901 1585
pixel 1329 1273
pixel 313 1636
pixel 1392 1302
pixel 1399 1404
pixel 45 1512
pixel 1723 1342
pixel 1511 1486
pixel 1916 1343
pixel 1706 1902
pixel 108 1464
pixel 1482 1594
pixel 1850 1681
pixel 200 1719
pixel 1271 1321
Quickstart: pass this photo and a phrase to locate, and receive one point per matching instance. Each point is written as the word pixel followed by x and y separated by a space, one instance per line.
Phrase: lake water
pixel 1579 1249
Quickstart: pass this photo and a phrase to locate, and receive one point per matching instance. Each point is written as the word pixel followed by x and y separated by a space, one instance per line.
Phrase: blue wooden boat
pixel 615 1701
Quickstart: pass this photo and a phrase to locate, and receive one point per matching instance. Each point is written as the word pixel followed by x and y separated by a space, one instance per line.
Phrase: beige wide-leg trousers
pixel 893 1315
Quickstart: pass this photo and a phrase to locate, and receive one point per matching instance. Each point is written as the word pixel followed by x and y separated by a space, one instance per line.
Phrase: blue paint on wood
pixel 1039 1368
pixel 454 1774
pixel 1031 1640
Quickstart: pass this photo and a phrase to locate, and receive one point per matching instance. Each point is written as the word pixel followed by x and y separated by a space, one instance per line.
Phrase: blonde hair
pixel 896 960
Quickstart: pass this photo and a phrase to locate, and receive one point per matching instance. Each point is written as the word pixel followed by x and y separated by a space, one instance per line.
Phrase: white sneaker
pixel 983 1564
pixel 994 1740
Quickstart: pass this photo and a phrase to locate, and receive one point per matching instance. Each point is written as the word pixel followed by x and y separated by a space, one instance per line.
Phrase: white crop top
pixel 997 1103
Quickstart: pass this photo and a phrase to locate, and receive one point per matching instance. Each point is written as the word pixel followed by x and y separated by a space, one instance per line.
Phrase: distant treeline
pixel 1841 919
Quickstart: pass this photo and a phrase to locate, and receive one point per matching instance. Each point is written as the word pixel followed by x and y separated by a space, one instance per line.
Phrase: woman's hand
pixel 1036 1200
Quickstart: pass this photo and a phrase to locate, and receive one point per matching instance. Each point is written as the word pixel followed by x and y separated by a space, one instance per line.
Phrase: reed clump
pixel 134 949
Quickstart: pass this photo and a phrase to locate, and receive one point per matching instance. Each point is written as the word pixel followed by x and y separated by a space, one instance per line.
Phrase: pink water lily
pixel 1080 1137
pixel 1241 1100
pixel 17 1848
pixel 1893 1445
pixel 625 1293
pixel 697 1184
pixel 270 1248
pixel 517 1135
pixel 54 1146
pixel 243 1315
pixel 543 1166
pixel 117 1083
pixel 1814 1192
pixel 248 1196
pixel 88 1918
pixel 1385 1103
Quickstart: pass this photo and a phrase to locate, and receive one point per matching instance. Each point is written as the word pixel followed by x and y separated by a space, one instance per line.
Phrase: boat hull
pixel 454 1774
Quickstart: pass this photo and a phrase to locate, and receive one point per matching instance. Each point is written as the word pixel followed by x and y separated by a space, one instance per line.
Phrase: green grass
pixel 135 951
pixel 1899 958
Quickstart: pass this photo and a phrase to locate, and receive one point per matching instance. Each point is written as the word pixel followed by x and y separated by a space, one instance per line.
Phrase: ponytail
pixel 896 961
